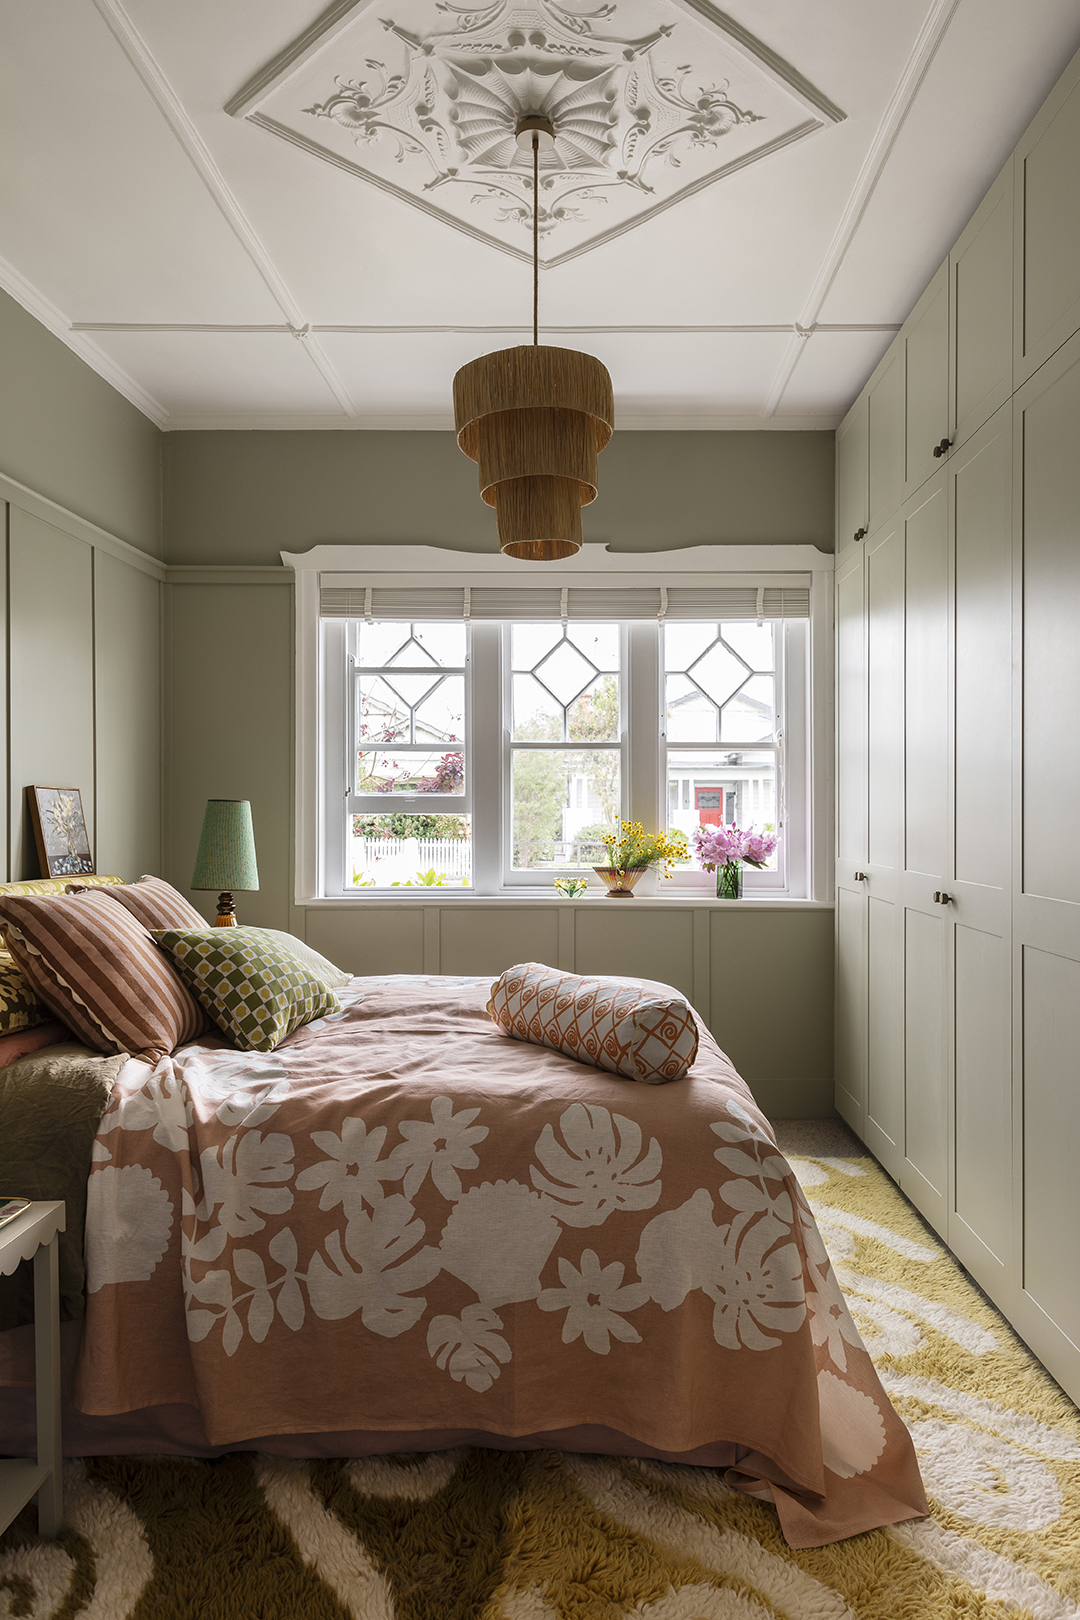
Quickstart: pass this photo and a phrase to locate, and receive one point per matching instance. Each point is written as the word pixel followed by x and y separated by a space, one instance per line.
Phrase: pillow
pixel 157 904
pixel 334 978
pixel 628 1029
pixel 96 966
pixel 252 985
pixel 21 1042
pixel 20 1007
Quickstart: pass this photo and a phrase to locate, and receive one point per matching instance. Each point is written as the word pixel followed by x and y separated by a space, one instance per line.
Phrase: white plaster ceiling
pixel 264 213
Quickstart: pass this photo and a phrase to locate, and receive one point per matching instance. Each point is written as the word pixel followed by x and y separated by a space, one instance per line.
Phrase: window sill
pixel 528 898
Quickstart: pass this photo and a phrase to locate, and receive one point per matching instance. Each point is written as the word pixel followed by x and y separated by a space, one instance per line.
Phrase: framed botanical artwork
pixel 60 831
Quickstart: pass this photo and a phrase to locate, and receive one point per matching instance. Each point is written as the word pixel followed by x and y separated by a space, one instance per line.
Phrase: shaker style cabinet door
pixel 852 477
pixel 927 1001
pixel 1047 894
pixel 981 268
pixel 851 829
pixel 884 566
pixel 885 404
pixel 924 338
pixel 1047 228
pixel 977 876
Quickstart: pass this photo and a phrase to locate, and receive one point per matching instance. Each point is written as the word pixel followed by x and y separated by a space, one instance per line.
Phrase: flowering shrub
pixel 716 846
pixel 634 848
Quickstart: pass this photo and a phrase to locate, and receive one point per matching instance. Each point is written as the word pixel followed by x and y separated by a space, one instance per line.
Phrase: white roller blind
pixel 426 603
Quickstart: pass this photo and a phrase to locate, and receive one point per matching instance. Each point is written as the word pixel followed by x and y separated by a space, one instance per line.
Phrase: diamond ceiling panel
pixel 650 102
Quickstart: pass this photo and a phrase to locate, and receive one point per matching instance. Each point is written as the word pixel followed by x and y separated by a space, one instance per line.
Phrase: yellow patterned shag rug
pixel 485 1535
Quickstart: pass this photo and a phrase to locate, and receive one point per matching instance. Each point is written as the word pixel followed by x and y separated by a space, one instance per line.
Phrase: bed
pixel 403 1230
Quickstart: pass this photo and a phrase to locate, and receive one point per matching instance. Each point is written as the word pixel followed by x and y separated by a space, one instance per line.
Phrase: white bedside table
pixel 33 1234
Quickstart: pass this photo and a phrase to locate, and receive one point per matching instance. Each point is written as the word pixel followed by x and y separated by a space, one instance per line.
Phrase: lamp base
pixel 226 911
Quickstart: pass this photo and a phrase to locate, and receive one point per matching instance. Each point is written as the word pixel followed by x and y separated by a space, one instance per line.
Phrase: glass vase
pixel 729 881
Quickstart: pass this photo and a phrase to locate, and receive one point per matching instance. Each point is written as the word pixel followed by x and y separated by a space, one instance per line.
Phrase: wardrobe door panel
pixel 885 1036
pixel 982 515
pixel 1051 597
pixel 1052 1138
pixel 982 302
pixel 885 401
pixel 852 476
pixel 885 695
pixel 926 681
pixel 851 1007
pixel 926 358
pixel 981 1195
pixel 851 804
pixel 1047 213
pixel 980 1215
pixel 926 1089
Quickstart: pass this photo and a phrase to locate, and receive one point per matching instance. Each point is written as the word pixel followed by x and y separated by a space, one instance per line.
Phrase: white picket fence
pixel 390 860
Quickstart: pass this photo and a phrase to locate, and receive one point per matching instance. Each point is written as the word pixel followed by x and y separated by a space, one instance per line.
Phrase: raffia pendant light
pixel 534 418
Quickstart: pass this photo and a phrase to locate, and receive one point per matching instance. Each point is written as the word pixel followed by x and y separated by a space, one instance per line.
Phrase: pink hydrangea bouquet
pixel 723 849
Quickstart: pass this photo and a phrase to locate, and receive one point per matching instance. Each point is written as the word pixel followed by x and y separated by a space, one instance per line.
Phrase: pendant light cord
pixel 536 239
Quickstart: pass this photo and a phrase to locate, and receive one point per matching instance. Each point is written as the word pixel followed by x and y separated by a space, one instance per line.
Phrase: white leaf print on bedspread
pixel 600 1172
pixel 497 1240
pixel 684 1249
pixel 379 1289
pixel 237 1180
pixel 467 1348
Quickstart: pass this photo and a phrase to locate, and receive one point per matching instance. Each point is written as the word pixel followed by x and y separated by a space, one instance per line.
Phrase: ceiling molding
pixel 667 329
pixel 895 116
pixel 755 50
pixel 36 304
pixel 443 422
pixel 198 153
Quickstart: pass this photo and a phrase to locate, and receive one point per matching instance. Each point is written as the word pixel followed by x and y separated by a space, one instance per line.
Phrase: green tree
pixel 540 792
pixel 595 718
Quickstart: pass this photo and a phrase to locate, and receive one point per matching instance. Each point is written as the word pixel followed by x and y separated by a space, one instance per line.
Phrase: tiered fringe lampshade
pixel 535 418
pixel 226 855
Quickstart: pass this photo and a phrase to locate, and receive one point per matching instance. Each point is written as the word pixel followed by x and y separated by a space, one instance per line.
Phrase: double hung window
pixel 485 739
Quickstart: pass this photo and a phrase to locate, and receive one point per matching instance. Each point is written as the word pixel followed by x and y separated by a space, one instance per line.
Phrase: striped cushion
pixel 641 1030
pixel 98 969
pixel 157 904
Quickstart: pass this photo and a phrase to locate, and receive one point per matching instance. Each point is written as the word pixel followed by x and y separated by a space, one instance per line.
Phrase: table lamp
pixel 226 857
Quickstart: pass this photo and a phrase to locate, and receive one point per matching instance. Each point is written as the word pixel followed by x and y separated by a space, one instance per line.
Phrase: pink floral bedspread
pixel 404 1220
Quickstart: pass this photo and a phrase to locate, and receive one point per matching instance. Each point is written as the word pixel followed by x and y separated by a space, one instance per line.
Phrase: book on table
pixel 10 1207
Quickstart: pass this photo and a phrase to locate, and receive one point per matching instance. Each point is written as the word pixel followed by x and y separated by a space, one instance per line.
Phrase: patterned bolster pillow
pixel 643 1033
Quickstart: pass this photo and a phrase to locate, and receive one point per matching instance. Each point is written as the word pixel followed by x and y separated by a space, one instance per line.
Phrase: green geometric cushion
pixel 334 978
pixel 252 985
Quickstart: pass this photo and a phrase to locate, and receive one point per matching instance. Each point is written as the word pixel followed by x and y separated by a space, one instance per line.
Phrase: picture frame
pixel 60 831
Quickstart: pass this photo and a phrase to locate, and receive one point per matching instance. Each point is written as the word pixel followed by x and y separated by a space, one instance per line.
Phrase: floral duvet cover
pixel 404 1220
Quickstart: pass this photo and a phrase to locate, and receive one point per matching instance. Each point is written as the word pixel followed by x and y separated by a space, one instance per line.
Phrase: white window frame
pixel 805 695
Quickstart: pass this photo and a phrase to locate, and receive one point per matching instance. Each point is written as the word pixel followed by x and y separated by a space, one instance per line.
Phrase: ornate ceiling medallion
pixel 650 100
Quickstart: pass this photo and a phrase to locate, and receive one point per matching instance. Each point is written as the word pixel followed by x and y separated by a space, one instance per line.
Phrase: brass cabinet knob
pixel 940 449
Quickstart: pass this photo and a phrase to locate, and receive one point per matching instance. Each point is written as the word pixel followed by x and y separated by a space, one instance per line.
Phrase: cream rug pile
pixel 485 1535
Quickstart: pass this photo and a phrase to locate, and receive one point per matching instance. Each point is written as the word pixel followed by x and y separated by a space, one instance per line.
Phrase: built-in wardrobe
pixel 958 754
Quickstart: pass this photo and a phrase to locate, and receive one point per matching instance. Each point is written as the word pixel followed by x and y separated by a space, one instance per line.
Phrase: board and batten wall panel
pixel 129 758
pixel 1051 1269
pixel 84 700
pixel 230 732
pixel 51 629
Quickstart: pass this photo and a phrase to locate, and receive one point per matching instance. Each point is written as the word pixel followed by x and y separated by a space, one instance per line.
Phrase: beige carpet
pixel 482 1535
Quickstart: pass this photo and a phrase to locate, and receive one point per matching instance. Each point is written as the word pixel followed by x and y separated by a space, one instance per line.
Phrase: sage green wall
pixel 81 614
pixel 69 436
pixel 245 497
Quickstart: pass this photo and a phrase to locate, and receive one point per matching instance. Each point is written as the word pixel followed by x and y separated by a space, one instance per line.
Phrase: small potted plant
pixel 724 849
pixel 632 852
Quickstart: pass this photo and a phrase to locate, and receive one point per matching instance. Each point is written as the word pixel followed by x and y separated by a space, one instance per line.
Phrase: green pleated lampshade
pixel 226 858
